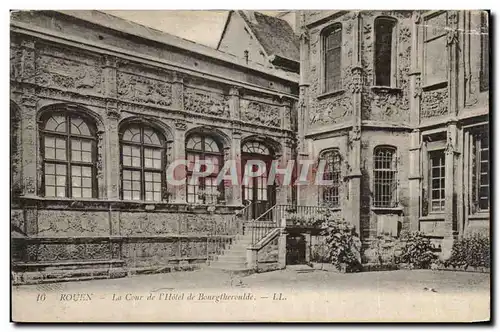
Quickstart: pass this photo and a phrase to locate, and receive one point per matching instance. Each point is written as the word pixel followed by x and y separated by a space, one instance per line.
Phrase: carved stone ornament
pixel 181 125
pixel 114 113
pixel 206 102
pixel 434 103
pixel 418 87
pixel 260 113
pixel 144 90
pixel 331 111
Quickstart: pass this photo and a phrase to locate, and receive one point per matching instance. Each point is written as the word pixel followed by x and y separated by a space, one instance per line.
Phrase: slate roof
pixel 274 34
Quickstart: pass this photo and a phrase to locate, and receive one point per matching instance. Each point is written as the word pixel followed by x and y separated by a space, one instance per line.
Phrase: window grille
pixel 385 177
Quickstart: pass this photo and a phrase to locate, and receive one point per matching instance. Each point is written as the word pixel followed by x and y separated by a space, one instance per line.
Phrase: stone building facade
pixel 99 109
pixel 397 104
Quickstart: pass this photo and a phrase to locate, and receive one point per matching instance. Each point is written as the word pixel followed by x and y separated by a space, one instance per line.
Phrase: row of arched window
pixel 384 177
pixel 384 54
pixel 69 154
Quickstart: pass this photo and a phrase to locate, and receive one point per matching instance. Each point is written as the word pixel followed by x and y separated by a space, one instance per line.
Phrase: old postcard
pixel 250 166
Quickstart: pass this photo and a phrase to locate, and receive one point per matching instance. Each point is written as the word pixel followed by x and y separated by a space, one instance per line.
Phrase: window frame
pixel 442 155
pixel 324 79
pixel 394 48
pixel 484 72
pixel 379 202
pixel 68 137
pixel 202 155
pixel 143 169
pixel 335 159
pixel 424 39
pixel 475 168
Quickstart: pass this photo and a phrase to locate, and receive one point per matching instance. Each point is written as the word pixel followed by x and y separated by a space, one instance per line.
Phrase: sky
pixel 201 26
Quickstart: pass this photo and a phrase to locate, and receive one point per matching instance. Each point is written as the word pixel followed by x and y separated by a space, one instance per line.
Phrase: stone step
pixel 235 252
pixel 232 259
pixel 228 266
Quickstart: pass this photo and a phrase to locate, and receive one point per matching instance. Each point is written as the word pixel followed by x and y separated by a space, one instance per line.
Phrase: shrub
pixel 319 254
pixel 383 250
pixel 343 246
pixel 470 251
pixel 416 250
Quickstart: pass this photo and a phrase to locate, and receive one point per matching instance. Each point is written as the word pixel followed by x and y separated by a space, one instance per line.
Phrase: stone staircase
pixel 234 258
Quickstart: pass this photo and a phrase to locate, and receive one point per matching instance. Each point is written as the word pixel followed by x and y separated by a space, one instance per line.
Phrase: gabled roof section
pixel 275 35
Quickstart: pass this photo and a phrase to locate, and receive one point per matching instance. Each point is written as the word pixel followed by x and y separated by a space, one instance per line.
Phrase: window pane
pixel 383 51
pixel 50 191
pixel 76 192
pixel 56 123
pixel 61 191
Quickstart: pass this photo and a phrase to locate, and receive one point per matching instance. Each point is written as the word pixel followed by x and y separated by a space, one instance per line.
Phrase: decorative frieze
pixel 260 113
pixel 331 111
pixel 66 70
pixel 144 89
pixel 206 102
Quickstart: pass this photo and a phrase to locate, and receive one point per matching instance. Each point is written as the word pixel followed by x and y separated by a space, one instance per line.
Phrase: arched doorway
pixel 256 189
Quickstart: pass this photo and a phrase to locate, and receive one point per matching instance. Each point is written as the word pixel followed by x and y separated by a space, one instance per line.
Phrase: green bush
pixel 470 251
pixel 416 250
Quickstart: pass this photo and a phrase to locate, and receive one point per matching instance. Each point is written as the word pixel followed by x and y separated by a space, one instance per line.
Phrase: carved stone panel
pixel 434 103
pixel 144 89
pixel 66 70
pixel 387 106
pixel 206 102
pixel 331 111
pixel 260 113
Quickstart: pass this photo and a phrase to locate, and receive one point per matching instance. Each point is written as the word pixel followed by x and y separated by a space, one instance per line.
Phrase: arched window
pixel 385 52
pixel 205 189
pixel 69 153
pixel 385 177
pixel 332 50
pixel 329 195
pixel 256 148
pixel 142 156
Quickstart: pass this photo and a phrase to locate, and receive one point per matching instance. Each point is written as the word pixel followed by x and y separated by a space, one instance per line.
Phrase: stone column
pixel 303 106
pixel 453 58
pixel 113 150
pixel 233 191
pixel 451 155
pixel 178 91
pixel 286 114
pixel 178 192
pixel 284 193
pixel 415 176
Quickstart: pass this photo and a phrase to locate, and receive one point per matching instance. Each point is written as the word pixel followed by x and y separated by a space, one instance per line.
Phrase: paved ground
pixel 296 278
pixel 295 294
